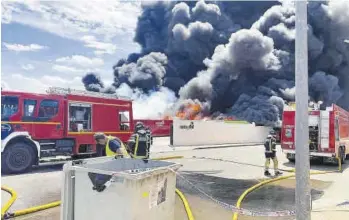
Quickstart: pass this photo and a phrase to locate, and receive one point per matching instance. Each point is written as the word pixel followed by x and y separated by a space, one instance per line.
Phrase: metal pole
pixel 303 199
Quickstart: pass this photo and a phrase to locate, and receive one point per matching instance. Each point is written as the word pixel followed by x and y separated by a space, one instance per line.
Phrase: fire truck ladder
pixel 69 91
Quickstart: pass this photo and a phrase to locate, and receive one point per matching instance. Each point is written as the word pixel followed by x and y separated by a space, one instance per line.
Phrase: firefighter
pixel 150 136
pixel 113 146
pixel 270 153
pixel 139 142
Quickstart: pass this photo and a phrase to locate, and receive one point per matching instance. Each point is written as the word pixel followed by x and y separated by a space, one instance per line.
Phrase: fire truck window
pixel 288 133
pixel 9 106
pixel 79 117
pixel 29 107
pixel 124 118
pixel 48 108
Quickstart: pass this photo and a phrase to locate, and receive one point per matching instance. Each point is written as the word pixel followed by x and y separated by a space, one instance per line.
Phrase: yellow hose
pixel 33 209
pixel 265 182
pixel 55 204
pixel 186 204
pixel 7 206
pixel 167 158
pixel 10 202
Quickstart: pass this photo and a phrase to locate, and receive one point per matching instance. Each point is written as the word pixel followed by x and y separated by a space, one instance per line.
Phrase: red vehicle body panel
pixel 343 122
pixel 288 129
pixel 159 128
pixel 37 128
pixel 104 118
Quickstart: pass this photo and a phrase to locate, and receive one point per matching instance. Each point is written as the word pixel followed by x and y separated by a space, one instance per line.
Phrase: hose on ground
pixel 254 165
pixel 186 204
pixel 265 182
pixel 6 215
pixel 8 205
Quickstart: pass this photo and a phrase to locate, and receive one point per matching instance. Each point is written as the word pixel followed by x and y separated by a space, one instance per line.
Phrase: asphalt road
pixel 207 175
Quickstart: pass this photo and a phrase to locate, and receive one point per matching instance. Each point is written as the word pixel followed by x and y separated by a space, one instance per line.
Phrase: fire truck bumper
pixel 292 153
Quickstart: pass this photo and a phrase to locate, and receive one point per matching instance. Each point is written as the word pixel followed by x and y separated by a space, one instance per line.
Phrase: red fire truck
pixel 328 134
pixel 58 125
pixel 159 128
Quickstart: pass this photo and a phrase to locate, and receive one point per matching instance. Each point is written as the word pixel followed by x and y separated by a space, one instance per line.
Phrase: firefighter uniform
pixel 111 152
pixel 150 138
pixel 270 153
pixel 139 142
pixel 112 146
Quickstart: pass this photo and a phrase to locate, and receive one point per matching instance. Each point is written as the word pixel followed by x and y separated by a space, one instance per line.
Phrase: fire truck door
pixel 49 119
pixel 28 116
pixel 324 128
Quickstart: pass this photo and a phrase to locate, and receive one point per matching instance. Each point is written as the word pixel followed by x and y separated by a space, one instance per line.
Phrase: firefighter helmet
pixel 139 125
pixel 272 134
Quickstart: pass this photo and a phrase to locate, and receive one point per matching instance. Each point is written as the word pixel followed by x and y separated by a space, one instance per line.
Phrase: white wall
pixel 216 133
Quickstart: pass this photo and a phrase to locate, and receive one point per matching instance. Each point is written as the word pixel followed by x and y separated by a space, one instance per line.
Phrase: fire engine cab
pixel 328 133
pixel 58 125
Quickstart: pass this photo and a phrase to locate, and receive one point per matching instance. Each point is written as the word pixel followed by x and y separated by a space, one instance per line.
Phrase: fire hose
pixel 6 207
pixel 6 215
pixel 265 182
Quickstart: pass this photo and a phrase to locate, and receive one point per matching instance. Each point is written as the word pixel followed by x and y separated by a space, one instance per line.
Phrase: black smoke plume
pixel 92 82
pixel 236 58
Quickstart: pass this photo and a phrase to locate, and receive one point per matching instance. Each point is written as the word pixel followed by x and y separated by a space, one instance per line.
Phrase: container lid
pixel 127 167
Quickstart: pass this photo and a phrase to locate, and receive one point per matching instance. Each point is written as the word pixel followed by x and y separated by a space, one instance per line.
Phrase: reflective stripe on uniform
pixel 270 147
pixel 136 150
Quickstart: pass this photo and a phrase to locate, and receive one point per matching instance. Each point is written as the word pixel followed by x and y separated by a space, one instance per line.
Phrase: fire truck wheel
pixel 17 158
pixel 291 158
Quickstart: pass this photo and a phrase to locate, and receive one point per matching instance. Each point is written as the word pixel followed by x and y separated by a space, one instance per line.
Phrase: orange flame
pixel 193 111
pixel 190 111
pixel 167 117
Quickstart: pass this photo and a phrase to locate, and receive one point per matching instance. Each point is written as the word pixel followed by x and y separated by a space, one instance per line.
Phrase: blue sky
pixel 55 43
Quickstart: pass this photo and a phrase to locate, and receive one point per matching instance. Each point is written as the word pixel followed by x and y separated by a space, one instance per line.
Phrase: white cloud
pixel 65 69
pixel 78 60
pixel 73 70
pixel 28 67
pixel 24 48
pixel 4 85
pixel 74 19
pixel 6 13
pixel 101 47
pixel 20 82
pixel 77 64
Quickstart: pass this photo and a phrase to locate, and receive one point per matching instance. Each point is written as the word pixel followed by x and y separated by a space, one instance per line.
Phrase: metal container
pixel 123 189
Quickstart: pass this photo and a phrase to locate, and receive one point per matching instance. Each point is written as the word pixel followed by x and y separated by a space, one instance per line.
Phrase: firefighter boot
pixel 266 173
pixel 278 173
pixel 276 167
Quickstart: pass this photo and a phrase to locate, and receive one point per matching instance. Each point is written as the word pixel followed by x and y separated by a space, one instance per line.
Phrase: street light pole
pixel 303 197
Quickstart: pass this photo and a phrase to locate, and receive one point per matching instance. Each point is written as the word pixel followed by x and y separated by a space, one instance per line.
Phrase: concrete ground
pixel 207 176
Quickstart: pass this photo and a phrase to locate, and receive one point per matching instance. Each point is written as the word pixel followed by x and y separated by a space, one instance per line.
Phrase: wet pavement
pixel 224 181
pixel 274 197
pixel 223 189
pixel 278 196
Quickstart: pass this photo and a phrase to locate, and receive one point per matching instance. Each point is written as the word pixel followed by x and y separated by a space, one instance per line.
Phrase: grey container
pixel 125 189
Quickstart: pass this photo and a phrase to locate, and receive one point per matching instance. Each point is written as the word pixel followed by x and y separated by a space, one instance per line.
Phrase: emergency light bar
pixel 68 91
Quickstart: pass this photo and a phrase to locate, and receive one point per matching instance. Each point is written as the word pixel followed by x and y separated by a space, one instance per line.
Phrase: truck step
pixel 55 159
